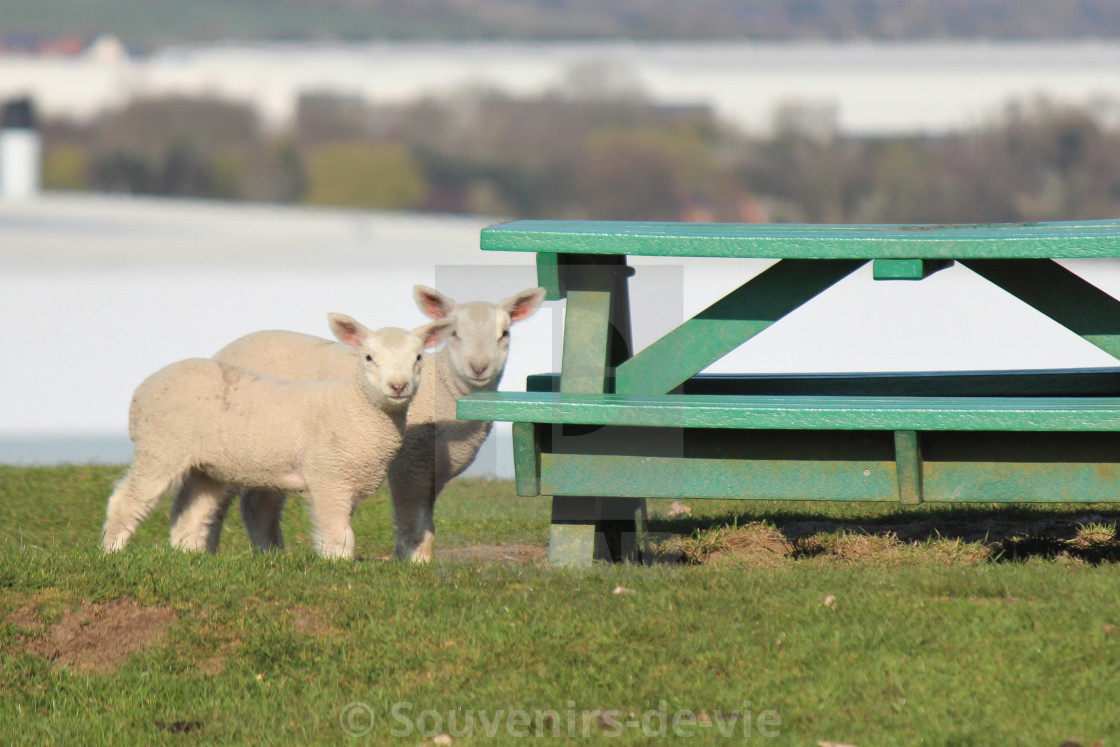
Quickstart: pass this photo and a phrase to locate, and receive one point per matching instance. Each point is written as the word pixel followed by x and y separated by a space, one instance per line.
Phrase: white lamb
pixel 437 446
pixel 213 424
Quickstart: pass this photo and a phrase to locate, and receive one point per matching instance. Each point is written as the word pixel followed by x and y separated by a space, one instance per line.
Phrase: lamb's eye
pixel 419 358
pixel 505 335
pixel 369 358
pixel 454 333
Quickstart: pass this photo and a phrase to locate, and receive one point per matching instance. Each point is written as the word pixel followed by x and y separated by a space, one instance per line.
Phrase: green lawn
pixel 928 641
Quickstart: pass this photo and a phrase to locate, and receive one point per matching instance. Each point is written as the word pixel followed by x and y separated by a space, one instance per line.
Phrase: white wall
pixel 97 293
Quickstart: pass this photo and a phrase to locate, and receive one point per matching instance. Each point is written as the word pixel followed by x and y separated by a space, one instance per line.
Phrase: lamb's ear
pixel 522 305
pixel 434 304
pixel 348 330
pixel 433 333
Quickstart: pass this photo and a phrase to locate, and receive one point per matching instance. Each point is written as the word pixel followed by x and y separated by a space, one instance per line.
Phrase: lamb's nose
pixel 398 389
pixel 479 369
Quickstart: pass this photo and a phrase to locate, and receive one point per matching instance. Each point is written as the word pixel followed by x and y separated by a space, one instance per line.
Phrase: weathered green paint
pixel 527 459
pixel 571 544
pixel 908 458
pixel 676 477
pixel 586 342
pixel 1059 294
pixel 905 269
pixel 980 241
pixel 728 323
pixel 1020 482
pixel 943 482
pixel 549 277
pixel 597 338
pixel 808 412
pixel 586 528
pixel 1030 467
pixel 642 546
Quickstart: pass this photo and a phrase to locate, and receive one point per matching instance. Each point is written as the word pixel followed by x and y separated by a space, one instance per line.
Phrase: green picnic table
pixel 616 426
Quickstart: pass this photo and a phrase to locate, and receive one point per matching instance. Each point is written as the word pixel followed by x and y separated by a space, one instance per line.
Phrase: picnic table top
pixel 1054 240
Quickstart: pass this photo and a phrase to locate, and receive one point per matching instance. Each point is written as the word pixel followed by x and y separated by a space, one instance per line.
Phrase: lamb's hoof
pixel 424 551
pixel 112 545
pixel 338 553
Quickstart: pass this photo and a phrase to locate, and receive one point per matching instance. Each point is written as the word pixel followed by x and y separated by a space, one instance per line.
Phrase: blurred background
pixel 177 173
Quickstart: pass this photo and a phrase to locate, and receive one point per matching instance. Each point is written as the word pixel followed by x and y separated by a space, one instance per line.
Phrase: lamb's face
pixel 479 344
pixel 391 359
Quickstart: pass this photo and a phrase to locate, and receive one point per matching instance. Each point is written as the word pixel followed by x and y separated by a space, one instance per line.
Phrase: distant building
pixel 20 151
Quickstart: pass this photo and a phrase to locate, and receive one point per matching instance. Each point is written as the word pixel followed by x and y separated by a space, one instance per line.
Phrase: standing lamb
pixel 437 446
pixel 214 424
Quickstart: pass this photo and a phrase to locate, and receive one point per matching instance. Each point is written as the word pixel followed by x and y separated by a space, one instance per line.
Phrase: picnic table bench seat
pixel 800 412
pixel 907 449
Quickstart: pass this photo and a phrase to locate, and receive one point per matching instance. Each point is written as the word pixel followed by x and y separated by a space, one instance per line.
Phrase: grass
pixel 846 643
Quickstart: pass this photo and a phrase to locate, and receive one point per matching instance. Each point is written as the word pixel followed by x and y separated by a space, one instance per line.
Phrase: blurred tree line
pixel 593 150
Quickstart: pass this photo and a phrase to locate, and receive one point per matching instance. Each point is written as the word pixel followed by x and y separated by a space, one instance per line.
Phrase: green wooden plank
pixel 597 338
pixel 587 336
pixel 571 545
pixel 1059 294
pixel 905 269
pixel 908 458
pixel 728 323
pixel 548 276
pixel 526 459
pixel 669 477
pixel 643 546
pixel 1020 482
pixel 806 412
pixel 820 241
pixel 943 482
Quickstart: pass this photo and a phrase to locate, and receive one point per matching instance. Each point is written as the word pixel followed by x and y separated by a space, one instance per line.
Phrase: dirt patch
pixel 521 554
pixel 101 637
pixel 310 621
pixel 212 666
pixel 851 547
pixel 988 530
pixel 25 618
pixel 754 544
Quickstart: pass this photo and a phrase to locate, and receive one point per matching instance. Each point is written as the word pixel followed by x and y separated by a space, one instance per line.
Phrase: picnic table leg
pixel 597 338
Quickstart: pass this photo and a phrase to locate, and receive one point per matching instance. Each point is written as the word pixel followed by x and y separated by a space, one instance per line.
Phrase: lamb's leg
pixel 413 493
pixel 331 511
pixel 262 510
pixel 198 513
pixel 134 498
